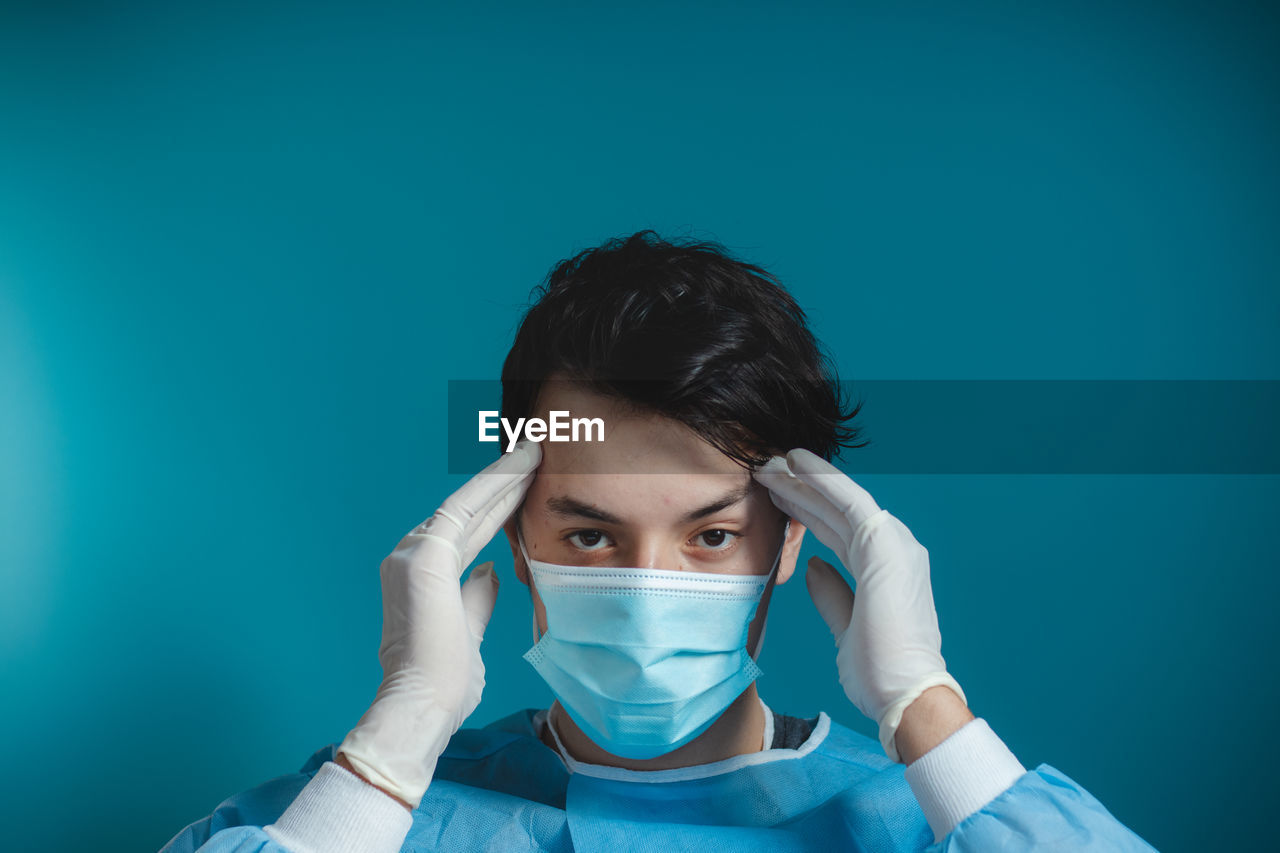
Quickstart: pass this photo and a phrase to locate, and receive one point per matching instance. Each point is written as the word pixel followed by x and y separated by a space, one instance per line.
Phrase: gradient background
pixel 242 249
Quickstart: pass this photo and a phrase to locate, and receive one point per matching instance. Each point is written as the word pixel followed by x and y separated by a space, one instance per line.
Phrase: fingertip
pixel 482 573
pixel 799 459
pixel 532 450
pixel 816 562
pixel 830 593
pixel 815 570
pixel 478 599
pixel 774 467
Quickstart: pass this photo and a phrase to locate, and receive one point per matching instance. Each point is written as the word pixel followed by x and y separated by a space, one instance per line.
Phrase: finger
pixel 510 471
pixel 805 504
pixel 461 544
pixel 463 530
pixel 498 505
pixel 830 594
pixel 778 477
pixel 850 499
pixel 479 593
pixel 485 526
pixel 835 538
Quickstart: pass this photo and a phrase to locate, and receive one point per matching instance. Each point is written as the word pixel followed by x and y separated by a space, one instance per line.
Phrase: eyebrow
pixel 568 506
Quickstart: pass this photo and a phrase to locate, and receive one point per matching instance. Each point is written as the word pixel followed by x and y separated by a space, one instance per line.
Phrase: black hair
pixel 683 329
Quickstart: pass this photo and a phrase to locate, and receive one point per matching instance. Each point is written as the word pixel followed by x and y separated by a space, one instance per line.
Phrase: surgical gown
pixel 500 788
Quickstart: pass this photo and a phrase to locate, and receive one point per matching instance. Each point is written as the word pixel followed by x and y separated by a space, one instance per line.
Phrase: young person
pixel 650 559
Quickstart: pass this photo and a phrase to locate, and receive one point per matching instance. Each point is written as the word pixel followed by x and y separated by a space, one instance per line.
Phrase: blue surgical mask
pixel 645 660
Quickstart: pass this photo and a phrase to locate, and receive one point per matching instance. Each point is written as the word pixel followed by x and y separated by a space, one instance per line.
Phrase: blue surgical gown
pixel 500 788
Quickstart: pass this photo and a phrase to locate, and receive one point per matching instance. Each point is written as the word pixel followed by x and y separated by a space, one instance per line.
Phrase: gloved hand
pixel 432 628
pixel 890 649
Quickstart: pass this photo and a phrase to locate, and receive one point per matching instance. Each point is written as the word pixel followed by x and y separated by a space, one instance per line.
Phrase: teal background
pixel 243 248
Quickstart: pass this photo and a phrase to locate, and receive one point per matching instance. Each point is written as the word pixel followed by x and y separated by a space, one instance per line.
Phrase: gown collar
pixel 697 771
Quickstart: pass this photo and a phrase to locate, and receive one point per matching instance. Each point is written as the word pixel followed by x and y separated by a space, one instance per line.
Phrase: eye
pixel 717 540
pixel 587 540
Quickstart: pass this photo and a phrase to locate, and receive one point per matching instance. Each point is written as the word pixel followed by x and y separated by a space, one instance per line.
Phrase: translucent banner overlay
pixel 925 426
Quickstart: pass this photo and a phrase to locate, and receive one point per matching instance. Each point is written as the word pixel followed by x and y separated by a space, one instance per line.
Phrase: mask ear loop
pixel 777 561
pixel 537 636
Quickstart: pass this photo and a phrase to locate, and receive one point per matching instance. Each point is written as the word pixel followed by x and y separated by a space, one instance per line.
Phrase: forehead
pixel 645 460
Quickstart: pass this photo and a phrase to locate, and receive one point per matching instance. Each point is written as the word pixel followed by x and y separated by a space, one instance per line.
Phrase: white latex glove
pixel 890 649
pixel 432 628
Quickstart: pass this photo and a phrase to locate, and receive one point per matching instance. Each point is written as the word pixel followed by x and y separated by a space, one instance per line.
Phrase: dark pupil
pixel 589 537
pixel 713 537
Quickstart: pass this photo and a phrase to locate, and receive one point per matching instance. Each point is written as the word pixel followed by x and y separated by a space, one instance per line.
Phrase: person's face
pixel 652 495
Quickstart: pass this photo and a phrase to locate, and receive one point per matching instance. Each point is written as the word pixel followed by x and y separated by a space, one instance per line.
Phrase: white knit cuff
pixel 961 775
pixel 338 812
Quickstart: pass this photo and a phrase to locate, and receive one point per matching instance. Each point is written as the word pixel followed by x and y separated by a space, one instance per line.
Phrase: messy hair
pixel 683 329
